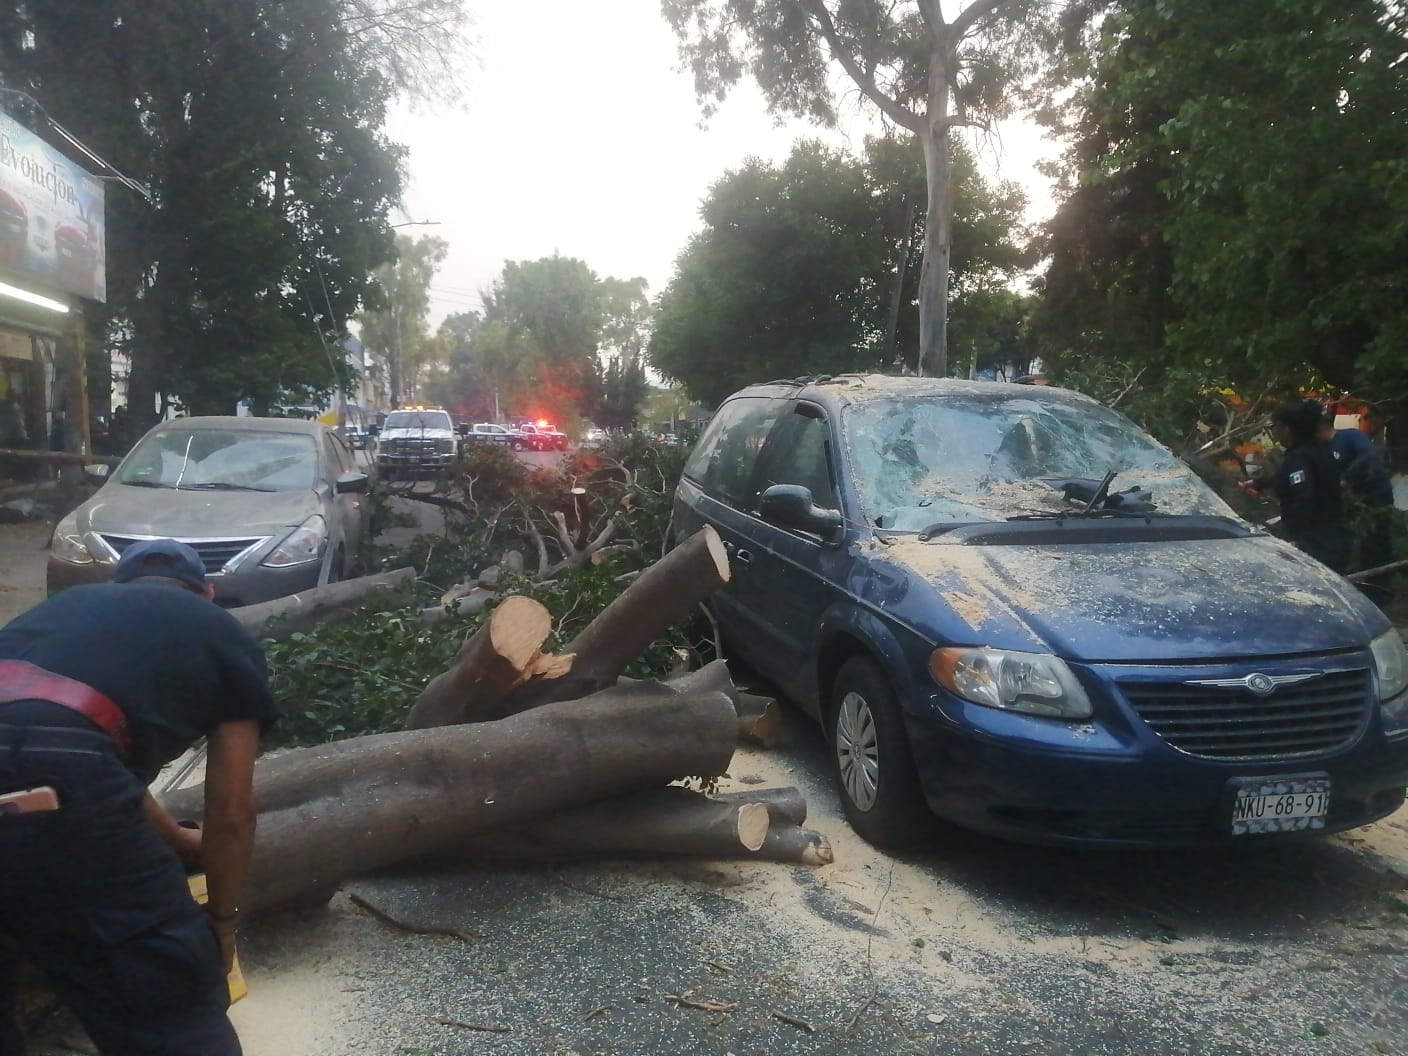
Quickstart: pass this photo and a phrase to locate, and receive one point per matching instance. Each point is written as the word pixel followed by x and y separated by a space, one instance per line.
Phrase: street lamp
pixel 418 223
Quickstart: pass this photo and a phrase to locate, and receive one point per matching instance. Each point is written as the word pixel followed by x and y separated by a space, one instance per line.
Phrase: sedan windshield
pixel 222 460
pixel 417 420
pixel 972 457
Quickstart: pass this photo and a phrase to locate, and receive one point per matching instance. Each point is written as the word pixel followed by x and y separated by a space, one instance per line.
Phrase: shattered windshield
pixel 221 459
pixel 970 457
pixel 417 420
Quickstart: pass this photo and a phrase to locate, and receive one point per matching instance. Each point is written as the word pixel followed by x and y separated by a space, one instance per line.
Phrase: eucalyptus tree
pixel 397 329
pixel 924 71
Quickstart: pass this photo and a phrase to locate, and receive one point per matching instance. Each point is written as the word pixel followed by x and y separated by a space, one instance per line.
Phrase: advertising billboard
pixel 51 216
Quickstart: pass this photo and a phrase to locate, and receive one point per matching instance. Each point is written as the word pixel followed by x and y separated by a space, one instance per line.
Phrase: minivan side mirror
pixel 792 506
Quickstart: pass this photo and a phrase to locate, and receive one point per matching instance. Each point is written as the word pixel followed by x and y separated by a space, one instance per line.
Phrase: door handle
pixel 743 557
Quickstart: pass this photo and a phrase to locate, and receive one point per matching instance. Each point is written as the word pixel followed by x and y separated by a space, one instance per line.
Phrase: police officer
pixel 100 686
pixel 1307 485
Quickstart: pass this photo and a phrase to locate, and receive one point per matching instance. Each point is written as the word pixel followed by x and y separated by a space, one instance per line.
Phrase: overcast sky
pixel 580 136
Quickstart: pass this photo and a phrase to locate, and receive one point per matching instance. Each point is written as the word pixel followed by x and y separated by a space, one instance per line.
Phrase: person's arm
pixel 228 836
pixel 185 842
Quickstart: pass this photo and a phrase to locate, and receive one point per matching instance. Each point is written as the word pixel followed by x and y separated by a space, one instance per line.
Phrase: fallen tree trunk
pixel 295 613
pixel 759 720
pixel 784 804
pixel 502 653
pixel 344 809
pixel 660 822
pixel 665 593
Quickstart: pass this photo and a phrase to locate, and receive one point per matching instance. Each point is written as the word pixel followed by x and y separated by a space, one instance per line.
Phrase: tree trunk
pixel 938 229
pixel 660 821
pixel 283 617
pixel 661 596
pixel 904 249
pixel 505 651
pixel 786 805
pixel 759 720
pixel 330 813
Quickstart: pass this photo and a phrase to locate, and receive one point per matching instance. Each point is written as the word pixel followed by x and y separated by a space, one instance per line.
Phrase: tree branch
pixel 970 16
pixel 865 79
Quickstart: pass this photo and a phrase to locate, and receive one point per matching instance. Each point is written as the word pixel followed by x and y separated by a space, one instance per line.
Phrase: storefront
pixel 52 256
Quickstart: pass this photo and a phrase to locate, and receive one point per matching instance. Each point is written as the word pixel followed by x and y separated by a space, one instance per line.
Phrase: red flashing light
pixel 542 423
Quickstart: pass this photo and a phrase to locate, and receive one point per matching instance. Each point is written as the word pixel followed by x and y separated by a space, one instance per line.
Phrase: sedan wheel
pixel 880 790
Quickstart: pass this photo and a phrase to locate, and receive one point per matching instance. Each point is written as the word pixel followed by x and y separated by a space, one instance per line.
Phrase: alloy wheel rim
pixel 858 750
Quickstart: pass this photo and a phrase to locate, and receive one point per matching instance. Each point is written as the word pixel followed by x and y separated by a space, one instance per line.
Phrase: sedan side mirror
pixel 97 473
pixel 351 483
pixel 792 506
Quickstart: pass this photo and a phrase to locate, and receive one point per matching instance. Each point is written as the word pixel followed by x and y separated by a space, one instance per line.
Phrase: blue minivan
pixel 1011 607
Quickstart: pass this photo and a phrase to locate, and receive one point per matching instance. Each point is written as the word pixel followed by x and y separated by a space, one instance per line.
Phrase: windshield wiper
pixel 144 484
pixel 221 485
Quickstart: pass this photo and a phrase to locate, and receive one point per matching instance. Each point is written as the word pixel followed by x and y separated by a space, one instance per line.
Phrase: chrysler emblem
pixel 1258 683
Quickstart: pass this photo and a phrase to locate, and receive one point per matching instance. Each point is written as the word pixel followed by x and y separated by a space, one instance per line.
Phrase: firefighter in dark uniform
pixel 100 686
pixel 1307 485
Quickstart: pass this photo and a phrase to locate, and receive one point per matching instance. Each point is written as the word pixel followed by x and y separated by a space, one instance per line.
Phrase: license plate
pixel 1287 804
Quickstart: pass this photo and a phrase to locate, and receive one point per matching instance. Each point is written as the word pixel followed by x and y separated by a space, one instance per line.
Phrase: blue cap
pixel 161 557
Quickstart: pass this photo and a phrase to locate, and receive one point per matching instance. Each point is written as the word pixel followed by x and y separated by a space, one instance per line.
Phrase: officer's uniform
pixel 89 893
pixel 1307 487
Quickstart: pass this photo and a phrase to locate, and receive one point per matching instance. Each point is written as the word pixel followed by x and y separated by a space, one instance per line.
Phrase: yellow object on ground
pixel 236 977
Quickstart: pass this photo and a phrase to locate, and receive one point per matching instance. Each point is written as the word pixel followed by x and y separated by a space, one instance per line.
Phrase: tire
pixel 517 445
pixel 880 791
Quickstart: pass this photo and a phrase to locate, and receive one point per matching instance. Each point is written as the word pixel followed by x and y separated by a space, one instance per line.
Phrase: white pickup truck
pixel 414 442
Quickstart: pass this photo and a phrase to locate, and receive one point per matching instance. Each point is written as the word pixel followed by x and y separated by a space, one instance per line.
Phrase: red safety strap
pixel 23 681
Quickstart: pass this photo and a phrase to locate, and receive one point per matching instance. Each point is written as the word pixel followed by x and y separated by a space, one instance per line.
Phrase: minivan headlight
pixel 303 544
pixel 68 545
pixel 1390 664
pixel 1032 683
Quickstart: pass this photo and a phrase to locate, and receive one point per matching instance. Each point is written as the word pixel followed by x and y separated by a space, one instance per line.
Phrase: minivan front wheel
pixel 880 791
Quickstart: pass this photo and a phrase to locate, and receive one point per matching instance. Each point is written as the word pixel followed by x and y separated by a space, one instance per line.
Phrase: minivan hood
pixel 125 510
pixel 1142 601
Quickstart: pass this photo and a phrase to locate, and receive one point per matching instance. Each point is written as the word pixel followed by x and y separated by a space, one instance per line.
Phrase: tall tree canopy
pixel 804 268
pixel 1237 194
pixel 397 330
pixel 258 128
pixel 536 349
pixel 926 72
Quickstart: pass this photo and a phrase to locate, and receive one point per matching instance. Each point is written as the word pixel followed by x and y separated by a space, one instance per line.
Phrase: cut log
pixel 659 823
pixel 340 810
pixel 787 843
pixel 759 720
pixel 505 651
pixel 287 616
pixel 661 596
pixel 785 805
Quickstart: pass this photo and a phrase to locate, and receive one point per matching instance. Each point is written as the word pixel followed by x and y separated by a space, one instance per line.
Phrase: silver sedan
pixel 272 505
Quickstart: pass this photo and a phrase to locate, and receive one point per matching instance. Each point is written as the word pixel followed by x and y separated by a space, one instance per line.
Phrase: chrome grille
pixel 215 554
pixel 1312 718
